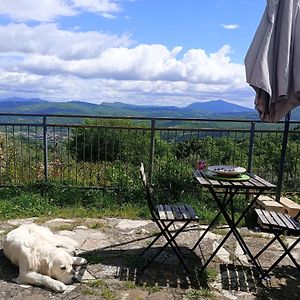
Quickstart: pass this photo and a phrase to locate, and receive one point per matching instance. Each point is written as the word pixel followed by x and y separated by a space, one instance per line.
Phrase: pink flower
pixel 201 165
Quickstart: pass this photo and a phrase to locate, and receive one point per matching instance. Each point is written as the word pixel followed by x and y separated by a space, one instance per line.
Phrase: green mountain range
pixel 210 109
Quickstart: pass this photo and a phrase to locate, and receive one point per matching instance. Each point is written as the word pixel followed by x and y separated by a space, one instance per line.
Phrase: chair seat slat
pixel 290 222
pixel 191 212
pixel 281 222
pixel 161 212
pixel 169 212
pixel 176 211
pixel 274 219
pixel 184 211
pixel 262 217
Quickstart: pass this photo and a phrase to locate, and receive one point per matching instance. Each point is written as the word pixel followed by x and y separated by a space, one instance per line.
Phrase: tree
pixel 110 140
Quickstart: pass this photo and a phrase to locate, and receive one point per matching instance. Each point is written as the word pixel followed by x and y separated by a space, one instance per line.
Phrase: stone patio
pixel 112 247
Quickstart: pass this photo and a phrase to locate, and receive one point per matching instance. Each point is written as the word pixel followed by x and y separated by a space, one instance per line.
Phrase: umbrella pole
pixel 283 155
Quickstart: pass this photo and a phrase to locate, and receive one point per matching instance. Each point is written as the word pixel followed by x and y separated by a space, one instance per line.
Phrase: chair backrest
pixel 149 192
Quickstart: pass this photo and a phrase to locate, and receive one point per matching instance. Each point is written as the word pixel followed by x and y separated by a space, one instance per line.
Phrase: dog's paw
pixel 59 287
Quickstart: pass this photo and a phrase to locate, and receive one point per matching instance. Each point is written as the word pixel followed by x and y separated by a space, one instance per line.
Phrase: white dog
pixel 43 258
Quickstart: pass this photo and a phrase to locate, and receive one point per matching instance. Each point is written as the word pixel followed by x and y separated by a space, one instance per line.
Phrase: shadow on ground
pixel 285 283
pixel 8 271
pixel 165 271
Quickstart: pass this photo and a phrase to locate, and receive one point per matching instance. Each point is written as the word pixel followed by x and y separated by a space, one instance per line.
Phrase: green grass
pixel 108 294
pixel 95 283
pixel 192 294
pixel 51 200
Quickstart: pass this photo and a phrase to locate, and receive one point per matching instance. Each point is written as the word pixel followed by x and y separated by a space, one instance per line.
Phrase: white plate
pixel 227 170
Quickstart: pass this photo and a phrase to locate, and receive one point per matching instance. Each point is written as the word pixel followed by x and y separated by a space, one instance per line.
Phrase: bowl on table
pixel 227 170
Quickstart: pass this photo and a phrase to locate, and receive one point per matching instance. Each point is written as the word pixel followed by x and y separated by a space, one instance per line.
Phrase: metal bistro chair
pixel 279 223
pixel 165 216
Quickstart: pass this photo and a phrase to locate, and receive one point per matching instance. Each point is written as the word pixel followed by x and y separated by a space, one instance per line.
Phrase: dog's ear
pixel 46 267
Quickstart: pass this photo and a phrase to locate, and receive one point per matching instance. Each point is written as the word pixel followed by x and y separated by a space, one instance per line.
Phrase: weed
pixel 219 231
pixel 212 274
pixel 208 275
pixel 130 284
pixel 108 294
pixel 192 294
pixel 90 292
pixel 150 288
pixel 69 226
pixel 95 283
pixel 97 225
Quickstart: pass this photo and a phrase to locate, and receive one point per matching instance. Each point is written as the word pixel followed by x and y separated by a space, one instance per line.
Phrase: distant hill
pixel 209 109
pixel 217 106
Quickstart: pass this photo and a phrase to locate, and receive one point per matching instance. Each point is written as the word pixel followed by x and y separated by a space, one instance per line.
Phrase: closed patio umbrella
pixel 273 66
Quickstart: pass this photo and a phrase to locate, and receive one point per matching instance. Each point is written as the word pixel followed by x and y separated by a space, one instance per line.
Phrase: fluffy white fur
pixel 43 258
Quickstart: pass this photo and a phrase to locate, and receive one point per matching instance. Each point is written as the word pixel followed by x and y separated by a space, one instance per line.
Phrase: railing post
pixel 45 149
pixel 251 143
pixel 152 136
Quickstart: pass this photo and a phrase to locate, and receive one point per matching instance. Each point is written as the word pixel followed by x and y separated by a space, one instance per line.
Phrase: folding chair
pixel 165 215
pixel 278 224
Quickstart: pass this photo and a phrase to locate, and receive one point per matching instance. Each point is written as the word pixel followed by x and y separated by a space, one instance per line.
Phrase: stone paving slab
pixel 113 246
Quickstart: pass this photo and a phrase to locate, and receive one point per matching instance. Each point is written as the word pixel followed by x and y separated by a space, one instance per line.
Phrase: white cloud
pixel 98 6
pixel 47 62
pixel 38 10
pixel 50 10
pixel 60 88
pixel 230 26
pixel 143 62
pixel 48 39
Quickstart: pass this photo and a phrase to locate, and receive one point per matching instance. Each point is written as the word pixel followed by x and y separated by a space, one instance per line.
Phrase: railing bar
pixel 91 160
pixel 14 153
pixel 76 156
pixel 68 155
pixel 29 154
pixel 84 158
pixel 140 118
pixel 141 128
pixel 21 177
pixel 6 150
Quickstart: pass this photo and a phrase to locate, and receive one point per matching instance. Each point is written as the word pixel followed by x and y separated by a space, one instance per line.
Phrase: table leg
pixel 233 229
pixel 225 201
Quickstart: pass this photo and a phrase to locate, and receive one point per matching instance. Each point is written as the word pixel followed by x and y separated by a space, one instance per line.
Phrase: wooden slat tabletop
pixel 255 182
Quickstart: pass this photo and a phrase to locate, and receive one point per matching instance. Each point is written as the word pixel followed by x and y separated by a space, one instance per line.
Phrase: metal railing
pixel 104 151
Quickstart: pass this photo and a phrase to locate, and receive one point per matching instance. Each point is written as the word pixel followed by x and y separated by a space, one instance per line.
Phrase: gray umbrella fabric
pixel 272 62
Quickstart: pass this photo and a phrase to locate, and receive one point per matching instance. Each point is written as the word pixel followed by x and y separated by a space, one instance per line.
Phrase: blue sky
pixel 161 52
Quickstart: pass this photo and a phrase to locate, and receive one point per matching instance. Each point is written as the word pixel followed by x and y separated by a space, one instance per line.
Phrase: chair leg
pixel 287 251
pixel 170 241
pixel 155 239
pixel 265 247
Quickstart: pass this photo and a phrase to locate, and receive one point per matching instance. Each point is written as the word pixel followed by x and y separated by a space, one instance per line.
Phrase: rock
pixel 131 224
pixel 222 254
pixel 239 252
pixel 82 227
pixel 21 221
pixel 161 295
pixel 59 221
pixel 93 244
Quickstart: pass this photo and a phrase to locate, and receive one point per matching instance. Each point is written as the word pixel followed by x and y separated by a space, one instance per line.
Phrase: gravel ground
pixel 113 246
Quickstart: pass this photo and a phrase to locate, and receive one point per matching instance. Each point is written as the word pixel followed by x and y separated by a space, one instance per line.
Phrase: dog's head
pixel 60 266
